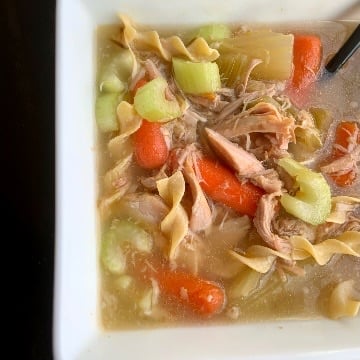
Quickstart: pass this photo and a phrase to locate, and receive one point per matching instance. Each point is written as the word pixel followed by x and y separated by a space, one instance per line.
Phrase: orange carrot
pixel 199 295
pixel 306 59
pixel 347 135
pixel 150 147
pixel 221 185
pixel 138 85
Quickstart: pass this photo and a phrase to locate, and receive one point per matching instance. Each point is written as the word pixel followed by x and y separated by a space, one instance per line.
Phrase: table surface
pixel 27 158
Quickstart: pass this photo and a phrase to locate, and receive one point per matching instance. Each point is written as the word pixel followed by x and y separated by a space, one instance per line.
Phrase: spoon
pixel 345 52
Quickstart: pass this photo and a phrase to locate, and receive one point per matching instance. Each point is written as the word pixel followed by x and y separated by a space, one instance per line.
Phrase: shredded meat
pixel 345 164
pixel 262 118
pixel 243 162
pixel 329 230
pixel 215 104
pixel 201 216
pixel 286 227
pixel 264 215
pixel 268 180
pixel 242 84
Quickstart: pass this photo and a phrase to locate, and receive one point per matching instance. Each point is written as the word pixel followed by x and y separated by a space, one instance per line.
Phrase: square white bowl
pixel 77 329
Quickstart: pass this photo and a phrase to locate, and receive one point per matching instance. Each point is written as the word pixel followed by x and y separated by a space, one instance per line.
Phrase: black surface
pixel 27 166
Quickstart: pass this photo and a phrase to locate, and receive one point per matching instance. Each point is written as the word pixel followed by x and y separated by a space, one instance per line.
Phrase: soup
pixel 228 174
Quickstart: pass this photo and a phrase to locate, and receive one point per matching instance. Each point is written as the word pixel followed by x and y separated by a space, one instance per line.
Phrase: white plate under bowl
pixel 77 332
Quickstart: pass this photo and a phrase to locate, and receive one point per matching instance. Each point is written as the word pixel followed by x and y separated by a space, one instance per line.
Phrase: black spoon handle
pixel 349 47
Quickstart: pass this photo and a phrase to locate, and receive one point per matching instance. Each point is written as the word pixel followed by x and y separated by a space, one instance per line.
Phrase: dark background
pixel 27 171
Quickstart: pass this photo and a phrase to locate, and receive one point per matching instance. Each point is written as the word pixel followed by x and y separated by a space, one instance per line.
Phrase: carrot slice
pixel 307 54
pixel 203 297
pixel 347 135
pixel 138 85
pixel 221 185
pixel 150 147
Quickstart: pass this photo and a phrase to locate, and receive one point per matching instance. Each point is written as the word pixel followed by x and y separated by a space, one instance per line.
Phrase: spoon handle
pixel 344 53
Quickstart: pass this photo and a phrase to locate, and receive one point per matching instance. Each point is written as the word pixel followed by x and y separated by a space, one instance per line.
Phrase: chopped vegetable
pixel 232 67
pixel 150 148
pixel 129 232
pixel 202 296
pixel 116 72
pixel 112 84
pixel 123 282
pixel 274 49
pixel 244 283
pixel 151 104
pixel 112 254
pixel 105 111
pixel 221 185
pixel 307 60
pixel 347 135
pixel 212 32
pixel 321 117
pixel 114 240
pixel 312 202
pixel 196 78
pixel 138 85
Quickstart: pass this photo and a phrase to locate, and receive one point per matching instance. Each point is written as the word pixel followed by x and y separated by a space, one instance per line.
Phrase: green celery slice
pixel 196 78
pixel 112 255
pixel 115 72
pixel 232 67
pixel 105 111
pixel 274 49
pixel 122 232
pixel 212 32
pixel 151 104
pixel 312 202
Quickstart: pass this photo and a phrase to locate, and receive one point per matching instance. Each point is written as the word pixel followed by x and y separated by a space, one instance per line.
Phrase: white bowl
pixel 77 330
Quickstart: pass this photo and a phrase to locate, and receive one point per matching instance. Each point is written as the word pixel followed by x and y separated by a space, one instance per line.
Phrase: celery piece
pixel 312 202
pixel 196 78
pixel 112 255
pixel 274 49
pixel 151 104
pixel 322 117
pixel 134 234
pixel 123 282
pixel 105 111
pixel 232 67
pixel 112 84
pixel 212 32
pixel 120 233
pixel 244 283
pixel 115 72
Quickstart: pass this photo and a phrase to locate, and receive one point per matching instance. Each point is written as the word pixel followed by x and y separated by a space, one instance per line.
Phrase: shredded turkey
pixel 263 218
pixel 268 180
pixel 261 118
pixel 244 163
pixel 238 158
pixel 345 164
pixel 328 229
pixel 201 216
pixel 286 226
pixel 242 84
